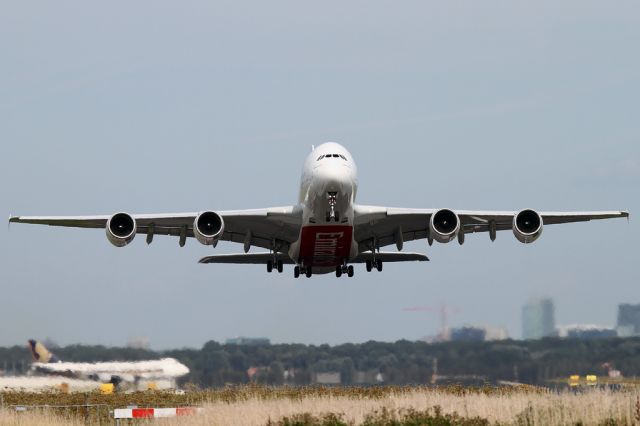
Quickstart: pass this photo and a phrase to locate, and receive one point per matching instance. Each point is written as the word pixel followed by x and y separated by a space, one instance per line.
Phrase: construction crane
pixel 444 310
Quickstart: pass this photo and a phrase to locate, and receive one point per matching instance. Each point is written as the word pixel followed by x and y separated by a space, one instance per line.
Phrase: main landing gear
pixel 344 269
pixel 277 264
pixel 304 270
pixel 374 264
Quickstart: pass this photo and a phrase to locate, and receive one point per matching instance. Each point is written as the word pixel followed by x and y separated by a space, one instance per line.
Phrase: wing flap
pixel 389 256
pixel 247 258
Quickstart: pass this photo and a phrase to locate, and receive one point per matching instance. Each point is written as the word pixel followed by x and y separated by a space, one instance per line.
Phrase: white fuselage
pixel 327 194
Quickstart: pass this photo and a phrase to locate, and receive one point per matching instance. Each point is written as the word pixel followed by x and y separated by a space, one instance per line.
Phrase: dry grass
pixel 589 408
pixel 258 405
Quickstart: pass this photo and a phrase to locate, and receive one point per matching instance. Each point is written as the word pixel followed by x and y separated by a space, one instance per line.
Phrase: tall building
pixel 628 320
pixel 538 319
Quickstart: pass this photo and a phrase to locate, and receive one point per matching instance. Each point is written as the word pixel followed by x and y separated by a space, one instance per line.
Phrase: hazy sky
pixel 163 106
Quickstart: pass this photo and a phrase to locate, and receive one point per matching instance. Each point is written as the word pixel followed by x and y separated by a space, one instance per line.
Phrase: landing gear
pixel 277 264
pixel 374 264
pixel 296 272
pixel 332 214
pixel 308 272
pixel 344 269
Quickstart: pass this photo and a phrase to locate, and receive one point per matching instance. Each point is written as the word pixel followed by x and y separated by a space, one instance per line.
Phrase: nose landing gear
pixel 332 214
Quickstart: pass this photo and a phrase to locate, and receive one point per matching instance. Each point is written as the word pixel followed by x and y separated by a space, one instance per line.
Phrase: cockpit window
pixel 335 155
pixel 320 158
pixel 343 157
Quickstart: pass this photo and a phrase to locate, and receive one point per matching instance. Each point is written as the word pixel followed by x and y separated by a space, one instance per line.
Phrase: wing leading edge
pixel 382 226
pixel 257 227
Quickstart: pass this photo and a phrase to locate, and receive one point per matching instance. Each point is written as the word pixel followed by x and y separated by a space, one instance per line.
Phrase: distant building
pixel 248 341
pixel 468 334
pixel 328 378
pixel 586 331
pixel 628 320
pixel 538 319
pixel 472 333
pixel 138 342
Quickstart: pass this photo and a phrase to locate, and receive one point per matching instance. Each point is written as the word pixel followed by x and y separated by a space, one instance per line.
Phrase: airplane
pixel 326 231
pixel 161 373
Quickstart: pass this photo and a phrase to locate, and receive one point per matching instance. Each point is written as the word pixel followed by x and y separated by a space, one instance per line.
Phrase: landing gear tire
pixel 280 266
pixel 379 265
pixel 308 272
pixel 296 272
pixel 338 271
pixel 269 266
pixel 369 265
pixel 350 271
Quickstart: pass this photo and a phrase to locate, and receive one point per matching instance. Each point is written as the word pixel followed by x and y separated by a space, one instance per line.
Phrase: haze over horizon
pixel 153 107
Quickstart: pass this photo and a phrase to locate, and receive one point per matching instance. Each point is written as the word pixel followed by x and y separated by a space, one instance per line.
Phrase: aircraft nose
pixel 333 178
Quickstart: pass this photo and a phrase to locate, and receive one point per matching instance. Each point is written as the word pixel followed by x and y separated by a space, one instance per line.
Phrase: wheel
pixel 379 265
pixel 369 265
pixel 308 272
pixel 279 265
pixel 350 271
pixel 338 271
pixel 296 272
pixel 269 266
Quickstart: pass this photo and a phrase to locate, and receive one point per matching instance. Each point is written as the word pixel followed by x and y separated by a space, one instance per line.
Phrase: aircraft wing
pixel 388 225
pixel 263 226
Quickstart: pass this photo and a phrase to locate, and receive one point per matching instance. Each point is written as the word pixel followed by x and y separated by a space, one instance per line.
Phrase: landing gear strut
pixel 332 214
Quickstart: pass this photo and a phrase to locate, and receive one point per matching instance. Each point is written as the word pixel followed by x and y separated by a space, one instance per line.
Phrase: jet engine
pixel 444 225
pixel 527 226
pixel 121 228
pixel 208 227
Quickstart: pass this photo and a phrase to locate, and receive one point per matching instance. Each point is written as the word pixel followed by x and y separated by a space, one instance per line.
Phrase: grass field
pixel 253 405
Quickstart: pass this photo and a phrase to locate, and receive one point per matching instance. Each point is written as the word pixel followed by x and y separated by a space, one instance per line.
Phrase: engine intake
pixel 208 227
pixel 444 225
pixel 121 229
pixel 527 226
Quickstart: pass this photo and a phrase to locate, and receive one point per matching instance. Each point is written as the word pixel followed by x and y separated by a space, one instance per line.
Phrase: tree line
pixel 399 363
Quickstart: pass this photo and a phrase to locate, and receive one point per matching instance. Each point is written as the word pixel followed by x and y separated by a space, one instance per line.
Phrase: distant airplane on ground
pixel 326 231
pixel 160 374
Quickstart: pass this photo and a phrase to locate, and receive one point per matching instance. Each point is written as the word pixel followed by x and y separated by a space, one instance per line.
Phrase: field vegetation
pixel 389 405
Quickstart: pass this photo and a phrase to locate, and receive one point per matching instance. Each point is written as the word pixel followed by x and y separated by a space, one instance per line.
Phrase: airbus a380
pixel 326 232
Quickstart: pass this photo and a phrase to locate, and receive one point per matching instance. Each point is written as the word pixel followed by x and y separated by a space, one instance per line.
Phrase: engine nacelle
pixel 444 225
pixel 208 227
pixel 121 229
pixel 527 226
